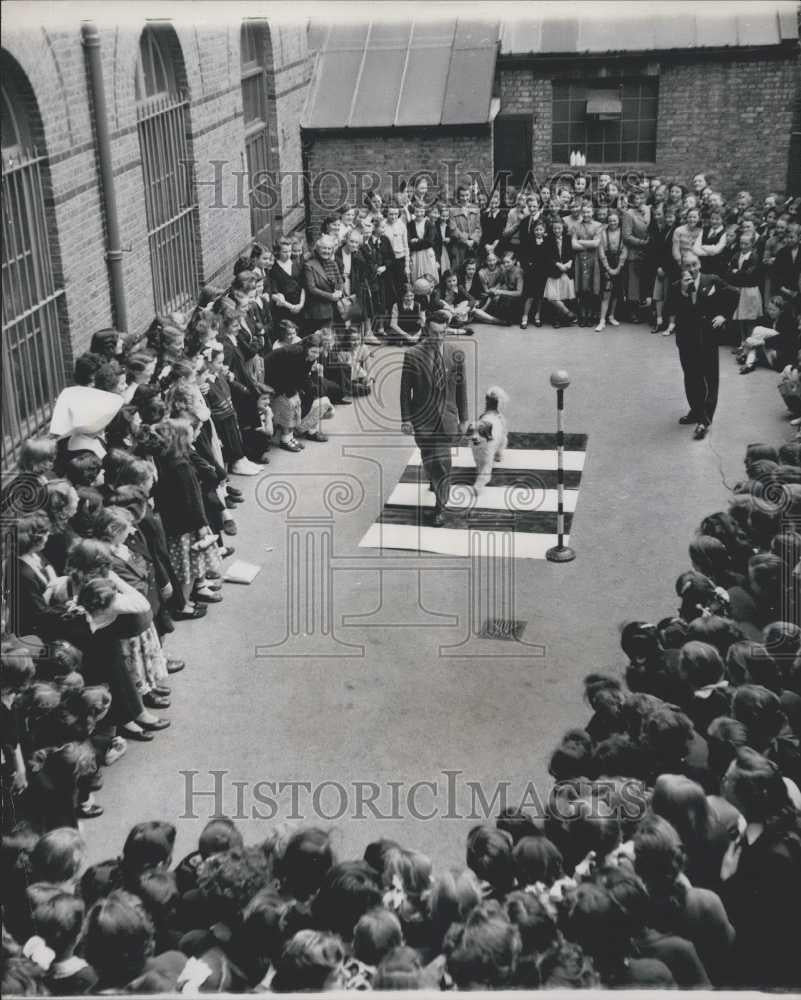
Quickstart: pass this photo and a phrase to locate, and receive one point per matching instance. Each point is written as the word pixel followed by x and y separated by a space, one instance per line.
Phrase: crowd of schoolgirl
pixel 667 854
pixel 123 518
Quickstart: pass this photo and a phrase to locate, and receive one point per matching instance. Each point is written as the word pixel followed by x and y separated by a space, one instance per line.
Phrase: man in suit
pixel 699 305
pixel 433 401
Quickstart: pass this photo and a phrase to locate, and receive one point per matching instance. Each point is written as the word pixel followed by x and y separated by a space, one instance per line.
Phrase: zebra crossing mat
pixel 514 515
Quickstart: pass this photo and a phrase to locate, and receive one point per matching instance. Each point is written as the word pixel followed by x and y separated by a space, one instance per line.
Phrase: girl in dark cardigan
pixel 179 501
pixel 559 287
pixel 298 406
pixel 287 294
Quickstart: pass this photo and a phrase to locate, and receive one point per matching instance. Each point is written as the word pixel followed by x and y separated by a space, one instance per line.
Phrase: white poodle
pixel 488 436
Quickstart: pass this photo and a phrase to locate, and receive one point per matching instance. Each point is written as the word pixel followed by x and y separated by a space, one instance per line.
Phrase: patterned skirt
pixel 189 564
pixel 144 659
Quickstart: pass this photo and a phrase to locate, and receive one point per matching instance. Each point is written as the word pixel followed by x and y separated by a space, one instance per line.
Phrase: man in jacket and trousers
pixel 433 401
pixel 699 305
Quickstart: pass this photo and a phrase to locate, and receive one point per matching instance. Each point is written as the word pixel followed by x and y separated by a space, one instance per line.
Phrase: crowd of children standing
pixel 123 518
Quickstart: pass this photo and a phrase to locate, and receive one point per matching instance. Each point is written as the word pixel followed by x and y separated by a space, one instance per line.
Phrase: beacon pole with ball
pixel 560 552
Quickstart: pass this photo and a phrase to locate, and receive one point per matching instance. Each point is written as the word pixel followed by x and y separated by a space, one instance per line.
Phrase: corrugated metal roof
pixel 395 73
pixel 715 26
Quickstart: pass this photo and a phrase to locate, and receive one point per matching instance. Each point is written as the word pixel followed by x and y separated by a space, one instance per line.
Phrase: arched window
pixel 32 347
pixel 167 166
pixel 260 138
pixel 154 70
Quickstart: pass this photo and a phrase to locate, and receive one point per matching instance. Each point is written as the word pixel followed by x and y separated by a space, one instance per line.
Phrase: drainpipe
pixel 91 43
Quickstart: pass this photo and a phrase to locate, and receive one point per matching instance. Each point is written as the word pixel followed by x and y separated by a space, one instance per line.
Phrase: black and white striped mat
pixel 519 502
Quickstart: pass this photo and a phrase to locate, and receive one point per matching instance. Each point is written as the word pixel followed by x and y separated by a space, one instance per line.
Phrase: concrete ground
pixel 340 665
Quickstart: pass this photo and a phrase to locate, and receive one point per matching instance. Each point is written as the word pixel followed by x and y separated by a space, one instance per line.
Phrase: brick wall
pixel 342 166
pixel 53 61
pixel 731 117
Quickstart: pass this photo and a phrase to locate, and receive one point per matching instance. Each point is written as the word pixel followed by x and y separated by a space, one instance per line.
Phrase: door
pixel 512 150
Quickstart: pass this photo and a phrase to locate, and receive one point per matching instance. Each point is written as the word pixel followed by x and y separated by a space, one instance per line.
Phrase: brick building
pixel 195 126
pixel 668 94
pixel 138 162
pixel 659 93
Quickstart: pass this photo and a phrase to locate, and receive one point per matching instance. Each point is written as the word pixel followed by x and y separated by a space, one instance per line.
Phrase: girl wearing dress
pixel 459 304
pixel 776 343
pixel 469 279
pixel 663 265
pixel 612 253
pixel 440 217
pixel 422 259
pixel 142 653
pixel 586 237
pixel 377 253
pixel 711 244
pixel 406 319
pixel 745 272
pixel 179 500
pixel 774 242
pixel 493 222
pixel 559 287
pixel 635 227
pixel 535 251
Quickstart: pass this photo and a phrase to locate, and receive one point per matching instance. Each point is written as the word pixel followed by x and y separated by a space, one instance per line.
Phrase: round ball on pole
pixel 560 552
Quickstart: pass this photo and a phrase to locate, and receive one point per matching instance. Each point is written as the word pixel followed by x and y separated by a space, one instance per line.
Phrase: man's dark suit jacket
pixel 428 407
pixel 694 321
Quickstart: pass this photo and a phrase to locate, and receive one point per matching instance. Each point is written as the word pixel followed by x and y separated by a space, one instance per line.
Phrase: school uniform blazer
pixel 319 291
pixel 441 233
pixel 178 497
pixel 492 227
pixel 377 252
pixel 424 242
pixel 427 406
pixel 747 275
pixel 560 253
pixel 786 271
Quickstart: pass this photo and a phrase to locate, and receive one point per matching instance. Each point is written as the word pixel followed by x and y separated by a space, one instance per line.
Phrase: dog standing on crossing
pixel 488 436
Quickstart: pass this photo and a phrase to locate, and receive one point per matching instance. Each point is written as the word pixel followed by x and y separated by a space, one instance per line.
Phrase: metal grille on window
pixel 254 42
pixel 33 356
pixel 170 203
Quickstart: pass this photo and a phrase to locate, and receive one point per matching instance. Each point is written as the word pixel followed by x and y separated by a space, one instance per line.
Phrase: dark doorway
pixel 512 150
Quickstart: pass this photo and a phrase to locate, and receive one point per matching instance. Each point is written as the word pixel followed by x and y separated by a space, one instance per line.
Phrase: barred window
pixel 255 43
pixel 607 122
pixel 164 143
pixel 33 370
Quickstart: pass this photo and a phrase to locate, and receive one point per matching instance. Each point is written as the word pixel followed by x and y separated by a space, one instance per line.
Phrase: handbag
pixel 349 308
